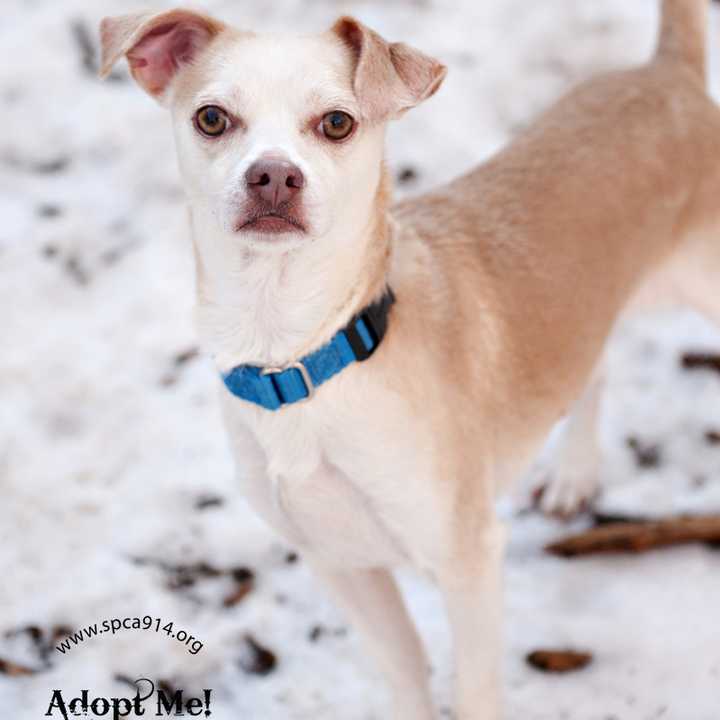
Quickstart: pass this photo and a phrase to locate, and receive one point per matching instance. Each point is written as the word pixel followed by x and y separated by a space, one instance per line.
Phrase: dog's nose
pixel 274 181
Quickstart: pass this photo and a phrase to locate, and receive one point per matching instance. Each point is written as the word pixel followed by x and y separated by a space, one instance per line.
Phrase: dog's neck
pixel 270 308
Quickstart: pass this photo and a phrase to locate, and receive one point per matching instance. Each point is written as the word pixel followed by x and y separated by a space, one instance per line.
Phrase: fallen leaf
pixel 559 661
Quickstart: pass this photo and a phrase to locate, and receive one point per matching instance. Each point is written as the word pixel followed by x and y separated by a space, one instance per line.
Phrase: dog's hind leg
pixel 697 274
pixel 572 477
pixel 567 478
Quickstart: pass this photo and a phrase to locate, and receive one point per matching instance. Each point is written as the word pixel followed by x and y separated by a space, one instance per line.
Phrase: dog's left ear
pixel 157 45
pixel 390 78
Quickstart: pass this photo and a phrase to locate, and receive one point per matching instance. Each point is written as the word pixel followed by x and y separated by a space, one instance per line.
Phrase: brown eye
pixel 337 125
pixel 212 121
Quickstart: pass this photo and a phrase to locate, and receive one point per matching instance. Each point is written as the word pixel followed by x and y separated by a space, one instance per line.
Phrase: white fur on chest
pixel 335 476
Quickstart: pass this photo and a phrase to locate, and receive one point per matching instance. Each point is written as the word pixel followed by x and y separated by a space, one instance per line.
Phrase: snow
pixel 106 446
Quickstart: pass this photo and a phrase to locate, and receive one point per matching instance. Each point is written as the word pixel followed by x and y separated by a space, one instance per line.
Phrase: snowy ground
pixel 111 447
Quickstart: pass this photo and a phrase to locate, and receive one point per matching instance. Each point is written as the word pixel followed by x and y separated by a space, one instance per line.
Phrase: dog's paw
pixel 565 493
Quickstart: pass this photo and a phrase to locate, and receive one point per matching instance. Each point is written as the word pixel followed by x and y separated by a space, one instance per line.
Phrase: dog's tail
pixel 684 32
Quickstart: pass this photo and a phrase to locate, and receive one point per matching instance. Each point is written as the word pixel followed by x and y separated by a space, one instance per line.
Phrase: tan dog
pixel 508 282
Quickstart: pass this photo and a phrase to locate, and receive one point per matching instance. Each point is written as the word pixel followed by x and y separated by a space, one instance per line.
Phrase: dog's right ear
pixel 156 45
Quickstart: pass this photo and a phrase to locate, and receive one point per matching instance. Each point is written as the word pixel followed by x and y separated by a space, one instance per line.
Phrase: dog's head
pixel 280 138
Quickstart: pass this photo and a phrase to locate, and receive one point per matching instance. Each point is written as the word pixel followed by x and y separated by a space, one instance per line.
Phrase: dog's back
pixel 558 231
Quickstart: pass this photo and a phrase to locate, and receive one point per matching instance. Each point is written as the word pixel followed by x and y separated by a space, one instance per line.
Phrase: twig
pixel 701 361
pixel 637 537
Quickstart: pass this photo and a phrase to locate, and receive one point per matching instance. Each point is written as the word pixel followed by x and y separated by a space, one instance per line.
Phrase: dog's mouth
pixel 271 222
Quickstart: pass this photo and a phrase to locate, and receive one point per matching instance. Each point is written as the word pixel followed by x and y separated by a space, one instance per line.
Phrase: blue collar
pixel 272 388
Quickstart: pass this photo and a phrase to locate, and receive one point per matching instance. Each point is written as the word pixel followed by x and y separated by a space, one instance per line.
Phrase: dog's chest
pixel 328 484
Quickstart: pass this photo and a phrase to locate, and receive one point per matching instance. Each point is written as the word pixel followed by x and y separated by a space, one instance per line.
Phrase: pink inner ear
pixel 157 57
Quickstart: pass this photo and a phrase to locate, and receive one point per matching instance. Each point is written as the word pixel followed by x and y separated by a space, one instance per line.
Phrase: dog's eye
pixel 337 125
pixel 212 121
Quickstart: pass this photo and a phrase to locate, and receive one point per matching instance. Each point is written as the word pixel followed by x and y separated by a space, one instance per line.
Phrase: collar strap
pixel 272 387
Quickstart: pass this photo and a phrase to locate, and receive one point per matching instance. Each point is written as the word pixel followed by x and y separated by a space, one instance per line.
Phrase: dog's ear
pixel 390 78
pixel 156 45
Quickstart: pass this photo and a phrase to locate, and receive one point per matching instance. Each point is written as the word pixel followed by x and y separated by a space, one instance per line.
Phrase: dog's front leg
pixel 372 603
pixel 471 582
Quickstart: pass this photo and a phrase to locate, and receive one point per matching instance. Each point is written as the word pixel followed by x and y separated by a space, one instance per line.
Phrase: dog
pixel 388 369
